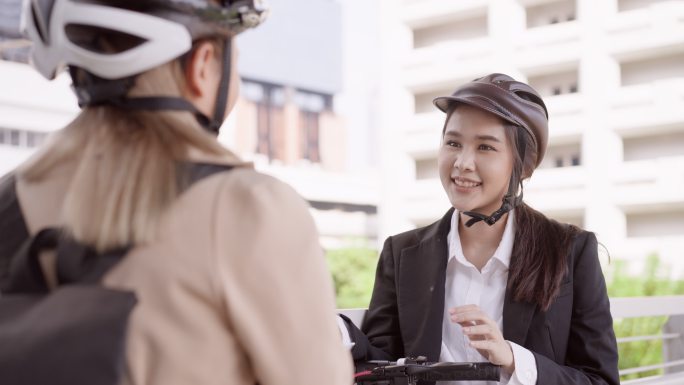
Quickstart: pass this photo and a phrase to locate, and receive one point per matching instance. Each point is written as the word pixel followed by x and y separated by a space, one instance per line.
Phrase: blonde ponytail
pixel 126 173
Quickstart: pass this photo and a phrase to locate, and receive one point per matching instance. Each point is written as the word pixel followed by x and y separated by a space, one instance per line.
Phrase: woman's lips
pixel 465 182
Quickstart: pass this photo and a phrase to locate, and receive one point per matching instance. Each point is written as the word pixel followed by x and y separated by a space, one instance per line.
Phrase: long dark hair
pixel 539 257
pixel 542 245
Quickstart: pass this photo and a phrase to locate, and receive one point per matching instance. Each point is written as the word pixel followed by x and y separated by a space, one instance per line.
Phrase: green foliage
pixel 655 281
pixel 353 271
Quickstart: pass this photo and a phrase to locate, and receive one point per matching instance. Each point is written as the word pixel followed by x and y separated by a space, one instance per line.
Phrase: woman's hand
pixel 484 335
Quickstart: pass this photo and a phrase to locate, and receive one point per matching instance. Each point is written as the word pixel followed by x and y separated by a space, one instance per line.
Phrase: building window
pixel 560 90
pixel 276 135
pixel 309 128
pixel 575 160
pixel 310 105
pixel 269 100
pixel 15 137
pixel 560 156
pixel 559 83
pixel 21 138
pixel 553 12
pixel 567 160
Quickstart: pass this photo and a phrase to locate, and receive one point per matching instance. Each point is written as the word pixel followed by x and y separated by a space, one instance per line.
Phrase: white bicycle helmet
pixel 162 30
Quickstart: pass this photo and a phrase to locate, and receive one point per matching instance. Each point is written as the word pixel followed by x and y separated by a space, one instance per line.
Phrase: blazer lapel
pixel 516 319
pixel 422 275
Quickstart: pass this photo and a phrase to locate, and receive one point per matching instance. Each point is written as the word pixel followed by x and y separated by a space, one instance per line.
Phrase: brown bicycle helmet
pixel 509 99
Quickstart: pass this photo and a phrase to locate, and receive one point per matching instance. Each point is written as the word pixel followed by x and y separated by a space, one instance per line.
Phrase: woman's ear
pixel 202 75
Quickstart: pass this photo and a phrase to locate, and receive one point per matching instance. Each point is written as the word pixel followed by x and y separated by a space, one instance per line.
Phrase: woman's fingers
pixel 485 331
pixel 484 346
pixel 470 316
pixel 476 324
pixel 464 309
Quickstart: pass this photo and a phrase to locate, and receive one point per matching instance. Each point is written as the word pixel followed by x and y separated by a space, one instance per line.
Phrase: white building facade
pixel 612 75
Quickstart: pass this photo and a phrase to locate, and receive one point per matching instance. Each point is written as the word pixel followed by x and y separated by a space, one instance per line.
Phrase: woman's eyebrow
pixel 456 134
pixel 453 133
pixel 489 137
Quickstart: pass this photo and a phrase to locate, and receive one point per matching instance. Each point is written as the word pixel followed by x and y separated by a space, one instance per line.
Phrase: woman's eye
pixel 451 143
pixel 487 147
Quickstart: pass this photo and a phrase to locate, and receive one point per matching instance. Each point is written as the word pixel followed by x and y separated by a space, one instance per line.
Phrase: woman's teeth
pixel 463 183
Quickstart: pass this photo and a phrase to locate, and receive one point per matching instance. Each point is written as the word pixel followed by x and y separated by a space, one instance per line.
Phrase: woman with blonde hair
pixel 230 280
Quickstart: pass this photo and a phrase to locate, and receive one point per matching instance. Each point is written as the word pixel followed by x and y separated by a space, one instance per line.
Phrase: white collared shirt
pixel 465 284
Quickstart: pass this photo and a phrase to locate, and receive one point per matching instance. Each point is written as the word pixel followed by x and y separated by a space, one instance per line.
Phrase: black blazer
pixel 573 342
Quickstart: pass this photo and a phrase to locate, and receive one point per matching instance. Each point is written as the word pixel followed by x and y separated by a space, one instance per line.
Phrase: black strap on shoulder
pixel 26 274
pixel 20 269
pixel 12 225
pixel 191 173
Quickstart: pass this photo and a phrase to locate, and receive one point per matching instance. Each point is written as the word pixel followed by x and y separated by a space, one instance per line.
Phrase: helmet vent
pixel 101 40
pixel 532 98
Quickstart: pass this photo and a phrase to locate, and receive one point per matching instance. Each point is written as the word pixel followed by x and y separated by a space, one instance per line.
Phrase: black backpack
pixel 75 334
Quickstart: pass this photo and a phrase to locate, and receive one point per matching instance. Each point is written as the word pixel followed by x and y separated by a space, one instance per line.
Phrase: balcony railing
pixel 418 13
pixel 638 108
pixel 671 335
pixel 657 27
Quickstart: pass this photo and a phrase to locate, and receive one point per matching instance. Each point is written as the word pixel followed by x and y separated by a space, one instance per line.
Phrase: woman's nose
pixel 465 161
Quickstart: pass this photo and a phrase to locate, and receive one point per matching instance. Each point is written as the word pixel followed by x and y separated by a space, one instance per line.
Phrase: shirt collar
pixel 503 251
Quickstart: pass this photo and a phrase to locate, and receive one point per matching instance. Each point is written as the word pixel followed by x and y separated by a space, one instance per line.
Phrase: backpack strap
pixel 12 226
pixel 20 270
pixel 191 173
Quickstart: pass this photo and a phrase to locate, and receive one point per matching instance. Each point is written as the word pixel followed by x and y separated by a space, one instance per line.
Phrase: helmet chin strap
pixel 510 200
pixel 222 93
pixel 93 91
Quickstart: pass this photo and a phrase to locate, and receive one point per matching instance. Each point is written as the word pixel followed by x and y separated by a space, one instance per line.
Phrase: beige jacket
pixel 235 290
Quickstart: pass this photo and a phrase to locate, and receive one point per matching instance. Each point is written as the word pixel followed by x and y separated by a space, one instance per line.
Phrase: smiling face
pixel 475 160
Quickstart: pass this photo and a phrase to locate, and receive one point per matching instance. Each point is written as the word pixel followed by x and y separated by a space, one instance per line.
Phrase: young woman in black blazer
pixel 493 280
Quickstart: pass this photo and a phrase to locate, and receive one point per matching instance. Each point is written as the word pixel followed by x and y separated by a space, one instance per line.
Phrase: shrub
pixel 353 271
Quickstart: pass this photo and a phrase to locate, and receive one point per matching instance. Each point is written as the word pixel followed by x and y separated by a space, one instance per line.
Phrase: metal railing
pixel 671 335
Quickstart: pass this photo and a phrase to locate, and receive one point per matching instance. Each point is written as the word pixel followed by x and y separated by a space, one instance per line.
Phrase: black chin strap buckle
pixel 92 90
pixel 509 202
